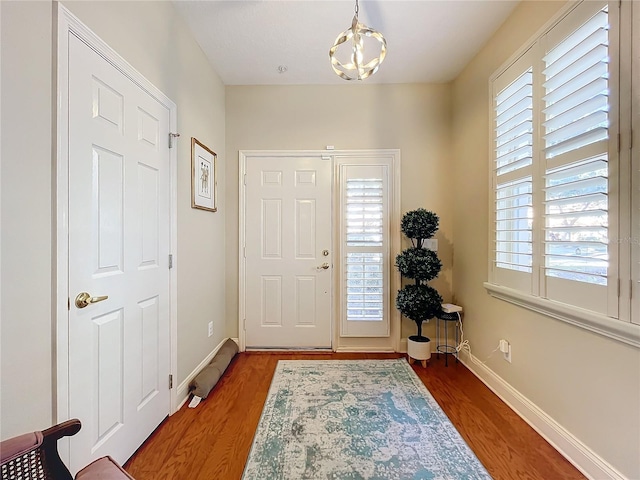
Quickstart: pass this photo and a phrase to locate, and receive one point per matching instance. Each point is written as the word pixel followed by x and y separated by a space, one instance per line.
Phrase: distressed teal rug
pixel 355 420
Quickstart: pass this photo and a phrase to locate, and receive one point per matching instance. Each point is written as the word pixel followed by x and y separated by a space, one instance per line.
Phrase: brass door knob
pixel 83 299
pixel 324 266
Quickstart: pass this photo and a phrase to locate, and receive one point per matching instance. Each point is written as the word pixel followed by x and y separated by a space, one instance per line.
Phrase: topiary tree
pixel 419 301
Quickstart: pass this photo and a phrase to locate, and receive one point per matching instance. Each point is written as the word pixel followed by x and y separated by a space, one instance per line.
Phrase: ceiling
pixel 428 41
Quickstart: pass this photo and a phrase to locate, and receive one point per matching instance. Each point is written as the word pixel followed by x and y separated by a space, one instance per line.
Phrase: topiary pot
pixel 419 348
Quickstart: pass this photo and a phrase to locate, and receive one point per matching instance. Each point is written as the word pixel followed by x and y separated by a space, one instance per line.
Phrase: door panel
pixel 118 247
pixel 149 325
pixel 106 212
pixel 271 228
pixel 288 225
pixel 305 228
pixel 109 388
pixel 271 294
pixel 305 296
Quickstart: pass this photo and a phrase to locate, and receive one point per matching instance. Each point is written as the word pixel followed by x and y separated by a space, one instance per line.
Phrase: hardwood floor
pixel 212 441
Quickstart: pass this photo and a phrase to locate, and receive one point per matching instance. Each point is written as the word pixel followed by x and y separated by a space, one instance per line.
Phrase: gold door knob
pixel 324 266
pixel 83 299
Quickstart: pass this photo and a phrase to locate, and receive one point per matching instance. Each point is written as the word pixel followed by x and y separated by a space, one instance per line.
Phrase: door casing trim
pixel 68 24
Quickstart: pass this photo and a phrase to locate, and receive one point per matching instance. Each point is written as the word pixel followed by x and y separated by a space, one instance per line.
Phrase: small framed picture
pixel 203 176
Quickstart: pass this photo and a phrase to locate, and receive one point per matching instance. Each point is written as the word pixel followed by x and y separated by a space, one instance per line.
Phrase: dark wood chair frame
pixel 41 459
pixel 34 456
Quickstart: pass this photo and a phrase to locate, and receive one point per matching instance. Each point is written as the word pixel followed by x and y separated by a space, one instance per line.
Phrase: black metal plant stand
pixel 446 348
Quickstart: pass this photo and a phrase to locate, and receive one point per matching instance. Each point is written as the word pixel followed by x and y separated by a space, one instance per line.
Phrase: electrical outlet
pixel 210 328
pixel 505 348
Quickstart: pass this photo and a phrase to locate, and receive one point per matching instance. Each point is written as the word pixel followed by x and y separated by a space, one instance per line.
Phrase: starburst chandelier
pixel 357 68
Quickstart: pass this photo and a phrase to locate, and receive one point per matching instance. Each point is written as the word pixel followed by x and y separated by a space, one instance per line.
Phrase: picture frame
pixel 203 177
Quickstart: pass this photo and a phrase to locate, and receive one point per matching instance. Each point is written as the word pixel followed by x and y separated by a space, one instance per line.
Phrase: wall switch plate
pixel 210 328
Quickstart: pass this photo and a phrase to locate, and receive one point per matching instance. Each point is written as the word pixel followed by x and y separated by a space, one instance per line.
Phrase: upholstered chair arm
pixel 15 447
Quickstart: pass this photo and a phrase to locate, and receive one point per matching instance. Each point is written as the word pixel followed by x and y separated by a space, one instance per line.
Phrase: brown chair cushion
pixel 104 468
pixel 17 446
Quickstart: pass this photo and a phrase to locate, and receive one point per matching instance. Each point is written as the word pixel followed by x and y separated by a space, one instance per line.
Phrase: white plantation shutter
pixel 514 124
pixel 364 232
pixel 576 135
pixel 512 177
pixel 364 250
pixel 576 222
pixel 513 225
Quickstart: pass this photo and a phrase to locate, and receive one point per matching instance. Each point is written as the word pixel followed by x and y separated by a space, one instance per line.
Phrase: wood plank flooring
pixel 212 441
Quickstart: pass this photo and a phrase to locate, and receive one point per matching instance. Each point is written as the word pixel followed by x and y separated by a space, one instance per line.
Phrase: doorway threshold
pixel 288 350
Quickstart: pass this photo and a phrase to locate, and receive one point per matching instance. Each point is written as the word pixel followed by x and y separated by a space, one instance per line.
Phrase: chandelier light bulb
pixel 358 68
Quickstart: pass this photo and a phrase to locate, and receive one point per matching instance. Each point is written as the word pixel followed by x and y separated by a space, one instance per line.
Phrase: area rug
pixel 355 419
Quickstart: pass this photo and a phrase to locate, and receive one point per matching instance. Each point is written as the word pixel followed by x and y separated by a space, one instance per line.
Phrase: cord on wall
pixel 465 345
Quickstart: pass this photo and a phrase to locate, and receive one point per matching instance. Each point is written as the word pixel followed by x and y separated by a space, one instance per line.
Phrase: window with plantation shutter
pixel 575 125
pixel 512 177
pixel 565 194
pixel 364 250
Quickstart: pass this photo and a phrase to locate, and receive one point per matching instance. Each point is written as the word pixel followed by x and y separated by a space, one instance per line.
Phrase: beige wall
pixel 413 118
pixel 587 383
pixel 150 36
pixel 25 318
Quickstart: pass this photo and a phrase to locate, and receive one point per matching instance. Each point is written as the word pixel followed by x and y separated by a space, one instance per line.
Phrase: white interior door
pixel 119 238
pixel 288 252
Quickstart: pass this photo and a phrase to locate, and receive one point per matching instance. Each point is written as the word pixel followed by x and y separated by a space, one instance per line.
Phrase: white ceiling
pixel 428 41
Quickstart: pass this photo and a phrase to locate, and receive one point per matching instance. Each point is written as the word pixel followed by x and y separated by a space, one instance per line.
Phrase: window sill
pixel 621 331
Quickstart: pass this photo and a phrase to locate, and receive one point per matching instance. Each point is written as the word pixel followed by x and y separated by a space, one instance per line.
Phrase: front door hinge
pixel 245 179
pixel 171 137
pixel 68 304
pixel 170 381
pixel 170 261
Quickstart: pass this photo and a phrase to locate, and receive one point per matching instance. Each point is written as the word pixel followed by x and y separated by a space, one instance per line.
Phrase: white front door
pixel 288 252
pixel 119 237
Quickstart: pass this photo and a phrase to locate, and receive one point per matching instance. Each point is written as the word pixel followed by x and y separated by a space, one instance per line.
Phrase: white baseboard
pixel 182 394
pixel 364 349
pixel 576 452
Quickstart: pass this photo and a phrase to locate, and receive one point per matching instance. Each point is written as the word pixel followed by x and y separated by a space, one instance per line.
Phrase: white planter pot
pixel 419 351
